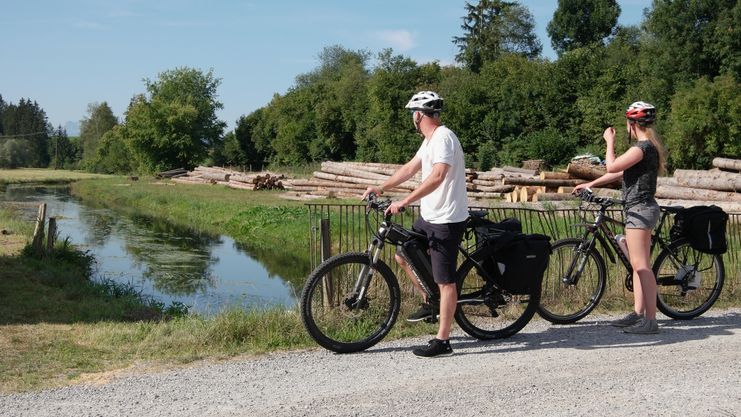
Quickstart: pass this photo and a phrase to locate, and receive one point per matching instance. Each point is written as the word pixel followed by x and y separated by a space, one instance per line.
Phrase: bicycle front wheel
pixel 337 316
pixel 573 283
pixel 485 312
pixel 689 281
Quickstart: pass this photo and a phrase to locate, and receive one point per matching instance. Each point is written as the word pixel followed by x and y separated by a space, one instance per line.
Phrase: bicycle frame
pixel 392 232
pixel 599 231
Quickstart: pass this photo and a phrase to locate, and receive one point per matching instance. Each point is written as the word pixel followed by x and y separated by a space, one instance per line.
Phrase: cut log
pixel 341 169
pixel 538 181
pixel 490 176
pixel 216 176
pixel 342 178
pixel 524 171
pixel 586 171
pixel 602 192
pixel 553 197
pixel 480 195
pixel 712 180
pixel 688 193
pixel 495 188
pixel 727 163
pixel 555 175
pixel 527 193
pixel 667 181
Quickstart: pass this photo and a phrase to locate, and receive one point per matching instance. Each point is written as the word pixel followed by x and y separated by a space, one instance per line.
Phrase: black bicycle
pixel 689 281
pixel 351 301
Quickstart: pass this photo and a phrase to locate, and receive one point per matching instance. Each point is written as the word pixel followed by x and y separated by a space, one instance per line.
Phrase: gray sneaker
pixel 628 320
pixel 643 327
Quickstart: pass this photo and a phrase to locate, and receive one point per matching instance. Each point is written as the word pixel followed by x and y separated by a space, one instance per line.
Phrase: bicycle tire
pixel 677 301
pixel 327 314
pixel 474 314
pixel 562 303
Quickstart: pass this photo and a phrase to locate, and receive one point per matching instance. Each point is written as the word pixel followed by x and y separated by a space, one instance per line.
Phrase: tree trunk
pixel 538 181
pixel 727 163
pixel 687 193
pixel 555 175
pixel 553 197
pixel 530 172
pixel 712 180
pixel 586 171
pixel 342 169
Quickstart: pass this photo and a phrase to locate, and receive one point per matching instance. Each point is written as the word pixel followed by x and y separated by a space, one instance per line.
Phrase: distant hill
pixel 72 128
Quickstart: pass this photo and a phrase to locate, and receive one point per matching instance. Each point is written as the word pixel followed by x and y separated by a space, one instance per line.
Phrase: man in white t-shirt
pixel 443 209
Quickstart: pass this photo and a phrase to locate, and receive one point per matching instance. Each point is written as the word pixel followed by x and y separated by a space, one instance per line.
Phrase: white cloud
pixel 401 40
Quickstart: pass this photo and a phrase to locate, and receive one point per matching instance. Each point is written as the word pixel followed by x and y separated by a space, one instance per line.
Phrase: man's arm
pixel 402 174
pixel 439 171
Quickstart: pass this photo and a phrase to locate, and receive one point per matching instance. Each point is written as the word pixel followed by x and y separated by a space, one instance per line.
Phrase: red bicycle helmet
pixel 642 113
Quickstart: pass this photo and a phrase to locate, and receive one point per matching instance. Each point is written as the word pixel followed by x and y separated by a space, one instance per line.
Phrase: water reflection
pixel 168 262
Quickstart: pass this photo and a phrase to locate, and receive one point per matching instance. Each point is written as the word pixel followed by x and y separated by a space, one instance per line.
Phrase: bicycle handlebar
pixel 587 195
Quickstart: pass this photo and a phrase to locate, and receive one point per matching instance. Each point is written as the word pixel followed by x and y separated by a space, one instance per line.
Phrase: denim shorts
pixel 444 241
pixel 642 216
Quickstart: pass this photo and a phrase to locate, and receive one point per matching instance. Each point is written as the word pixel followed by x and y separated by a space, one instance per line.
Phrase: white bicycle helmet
pixel 425 101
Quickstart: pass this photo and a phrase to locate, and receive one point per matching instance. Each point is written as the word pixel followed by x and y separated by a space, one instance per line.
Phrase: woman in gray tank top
pixel 638 167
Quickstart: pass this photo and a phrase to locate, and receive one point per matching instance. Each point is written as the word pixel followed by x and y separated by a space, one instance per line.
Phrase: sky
pixel 67 54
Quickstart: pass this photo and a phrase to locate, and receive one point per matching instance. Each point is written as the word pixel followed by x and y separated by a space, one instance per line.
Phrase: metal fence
pixel 339 228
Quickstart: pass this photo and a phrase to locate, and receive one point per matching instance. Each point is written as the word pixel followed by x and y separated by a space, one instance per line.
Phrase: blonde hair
pixel 656 141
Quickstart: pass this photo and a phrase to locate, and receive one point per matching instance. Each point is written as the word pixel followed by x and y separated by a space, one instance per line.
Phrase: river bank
pixel 55 333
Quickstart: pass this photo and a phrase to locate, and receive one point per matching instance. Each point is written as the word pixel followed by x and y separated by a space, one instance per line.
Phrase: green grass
pixel 43 175
pixel 57 327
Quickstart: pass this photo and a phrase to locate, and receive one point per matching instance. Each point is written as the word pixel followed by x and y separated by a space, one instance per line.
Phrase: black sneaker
pixel 425 312
pixel 434 348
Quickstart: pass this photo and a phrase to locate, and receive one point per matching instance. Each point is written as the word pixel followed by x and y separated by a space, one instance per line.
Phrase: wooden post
pixel 38 233
pixel 51 235
pixel 326 254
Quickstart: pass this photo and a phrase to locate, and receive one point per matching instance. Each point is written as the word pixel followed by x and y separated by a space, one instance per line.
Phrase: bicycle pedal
pixel 432 319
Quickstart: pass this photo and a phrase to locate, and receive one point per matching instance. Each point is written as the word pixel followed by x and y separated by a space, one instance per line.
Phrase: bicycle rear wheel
pixel 333 314
pixel 573 283
pixel 689 281
pixel 485 312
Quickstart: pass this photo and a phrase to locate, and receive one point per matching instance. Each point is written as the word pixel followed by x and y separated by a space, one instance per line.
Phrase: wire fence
pixel 345 230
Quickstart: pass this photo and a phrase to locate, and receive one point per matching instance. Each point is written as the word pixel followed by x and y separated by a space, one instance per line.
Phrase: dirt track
pixel 691 368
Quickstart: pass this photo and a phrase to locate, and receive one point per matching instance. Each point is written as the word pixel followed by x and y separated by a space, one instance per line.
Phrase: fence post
pixel 326 254
pixel 51 235
pixel 38 233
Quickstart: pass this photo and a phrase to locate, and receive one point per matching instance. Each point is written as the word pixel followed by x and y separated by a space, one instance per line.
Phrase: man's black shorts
pixel 444 241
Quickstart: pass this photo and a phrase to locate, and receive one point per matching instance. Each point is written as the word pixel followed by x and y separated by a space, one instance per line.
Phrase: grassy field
pixel 57 327
pixel 43 176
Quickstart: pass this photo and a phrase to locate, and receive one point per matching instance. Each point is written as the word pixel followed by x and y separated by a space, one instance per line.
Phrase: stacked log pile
pixel 350 179
pixel 720 186
pixel 231 179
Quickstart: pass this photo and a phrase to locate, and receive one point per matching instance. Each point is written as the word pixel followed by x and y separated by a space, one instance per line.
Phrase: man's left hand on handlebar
pixel 395 208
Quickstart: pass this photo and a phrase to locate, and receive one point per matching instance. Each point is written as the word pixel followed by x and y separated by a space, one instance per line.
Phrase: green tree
pixel 705 122
pixel 685 42
pixel 26 125
pixel 114 155
pixel 63 152
pixel 253 140
pixel 94 125
pixel 387 133
pixel 176 124
pixel 492 28
pixel 578 23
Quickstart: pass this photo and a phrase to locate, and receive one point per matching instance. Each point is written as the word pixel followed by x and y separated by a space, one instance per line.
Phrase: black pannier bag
pixel 519 259
pixel 703 226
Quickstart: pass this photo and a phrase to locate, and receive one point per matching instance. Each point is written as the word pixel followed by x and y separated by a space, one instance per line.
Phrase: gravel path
pixel 690 368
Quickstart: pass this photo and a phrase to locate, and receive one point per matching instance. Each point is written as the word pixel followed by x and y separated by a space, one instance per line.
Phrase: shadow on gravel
pixel 598 334
pixel 591 334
